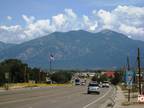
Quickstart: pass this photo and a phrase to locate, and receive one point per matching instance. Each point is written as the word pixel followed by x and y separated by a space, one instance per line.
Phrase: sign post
pixel 7 80
pixel 129 81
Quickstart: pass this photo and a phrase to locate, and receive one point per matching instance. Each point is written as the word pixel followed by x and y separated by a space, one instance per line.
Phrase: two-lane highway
pixel 54 97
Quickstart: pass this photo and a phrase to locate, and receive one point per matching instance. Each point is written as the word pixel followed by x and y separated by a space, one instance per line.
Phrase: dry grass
pixel 25 85
pixel 126 103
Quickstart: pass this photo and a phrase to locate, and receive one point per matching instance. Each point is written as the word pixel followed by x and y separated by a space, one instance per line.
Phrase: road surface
pixel 54 97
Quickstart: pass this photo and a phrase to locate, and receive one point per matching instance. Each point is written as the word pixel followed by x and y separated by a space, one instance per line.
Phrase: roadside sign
pixel 140 98
pixel 129 78
pixel 7 75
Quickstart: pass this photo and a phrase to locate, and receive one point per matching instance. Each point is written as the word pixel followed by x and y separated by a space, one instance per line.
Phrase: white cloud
pixel 58 20
pixel 11 28
pixel 9 18
pixel 124 19
pixel 28 20
pixel 38 28
pixel 70 13
pixel 12 34
pixel 132 31
pixel 130 10
pixel 130 15
pixel 129 20
pixel 65 21
pixel 89 24
pixel 105 16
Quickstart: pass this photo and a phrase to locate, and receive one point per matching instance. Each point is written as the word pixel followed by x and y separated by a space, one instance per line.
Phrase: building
pixel 109 74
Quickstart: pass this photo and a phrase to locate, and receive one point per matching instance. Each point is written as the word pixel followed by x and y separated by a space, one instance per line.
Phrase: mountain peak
pixel 105 31
pixel 78 31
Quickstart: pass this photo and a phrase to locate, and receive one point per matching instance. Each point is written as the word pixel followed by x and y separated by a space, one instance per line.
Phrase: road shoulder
pixel 120 99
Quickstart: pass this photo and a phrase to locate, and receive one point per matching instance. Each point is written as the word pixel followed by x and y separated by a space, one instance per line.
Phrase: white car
pixel 93 88
pixel 105 84
pixel 83 83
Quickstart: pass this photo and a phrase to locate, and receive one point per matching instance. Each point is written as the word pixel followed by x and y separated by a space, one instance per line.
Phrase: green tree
pixel 61 77
pixel 19 72
pixel 103 78
pixel 94 78
pixel 15 68
pixel 116 79
pixel 2 76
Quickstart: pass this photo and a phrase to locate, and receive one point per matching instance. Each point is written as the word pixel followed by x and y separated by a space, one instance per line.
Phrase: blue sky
pixel 20 19
pixel 47 8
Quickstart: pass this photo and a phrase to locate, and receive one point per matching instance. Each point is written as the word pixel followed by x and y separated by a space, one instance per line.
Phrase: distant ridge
pixel 77 50
pixel 5 45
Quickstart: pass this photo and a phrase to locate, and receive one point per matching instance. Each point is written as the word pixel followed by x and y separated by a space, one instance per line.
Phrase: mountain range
pixel 76 50
pixel 4 46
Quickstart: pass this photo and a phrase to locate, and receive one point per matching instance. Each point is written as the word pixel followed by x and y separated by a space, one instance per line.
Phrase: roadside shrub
pixel 95 78
pixel 61 77
pixel 116 79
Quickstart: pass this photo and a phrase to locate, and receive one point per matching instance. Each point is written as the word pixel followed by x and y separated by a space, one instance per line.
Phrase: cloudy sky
pixel 23 20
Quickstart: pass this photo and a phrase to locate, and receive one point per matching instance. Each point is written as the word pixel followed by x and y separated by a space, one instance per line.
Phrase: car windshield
pixel 77 80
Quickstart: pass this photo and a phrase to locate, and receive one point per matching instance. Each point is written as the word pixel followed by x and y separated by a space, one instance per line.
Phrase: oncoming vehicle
pixel 77 82
pixel 83 83
pixel 93 88
pixel 105 84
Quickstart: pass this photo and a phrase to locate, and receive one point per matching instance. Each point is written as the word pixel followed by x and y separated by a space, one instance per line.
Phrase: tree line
pixel 15 71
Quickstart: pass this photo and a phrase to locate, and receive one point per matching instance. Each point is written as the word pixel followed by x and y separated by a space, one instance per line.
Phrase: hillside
pixel 4 46
pixel 77 49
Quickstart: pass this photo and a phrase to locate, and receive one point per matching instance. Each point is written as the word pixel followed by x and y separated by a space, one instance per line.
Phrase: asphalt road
pixel 54 97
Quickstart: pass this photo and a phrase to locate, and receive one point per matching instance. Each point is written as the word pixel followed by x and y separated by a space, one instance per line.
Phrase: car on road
pixel 100 84
pixel 83 83
pixel 105 84
pixel 77 81
pixel 93 88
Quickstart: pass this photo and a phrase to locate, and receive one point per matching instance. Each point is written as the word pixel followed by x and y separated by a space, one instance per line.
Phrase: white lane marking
pixel 86 106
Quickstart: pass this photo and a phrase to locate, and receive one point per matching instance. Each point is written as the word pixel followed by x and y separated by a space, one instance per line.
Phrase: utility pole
pixel 128 68
pixel 40 76
pixel 139 70
pixel 51 58
pixel 50 65
pixel 25 74
pixel 28 76
pixel 7 80
pixel 128 63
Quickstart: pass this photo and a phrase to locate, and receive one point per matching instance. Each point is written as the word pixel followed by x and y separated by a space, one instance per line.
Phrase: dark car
pixel 77 82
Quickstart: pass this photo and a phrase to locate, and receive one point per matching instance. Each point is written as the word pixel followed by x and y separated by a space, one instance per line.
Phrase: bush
pixel 95 78
pixel 61 77
pixel 103 78
pixel 116 79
